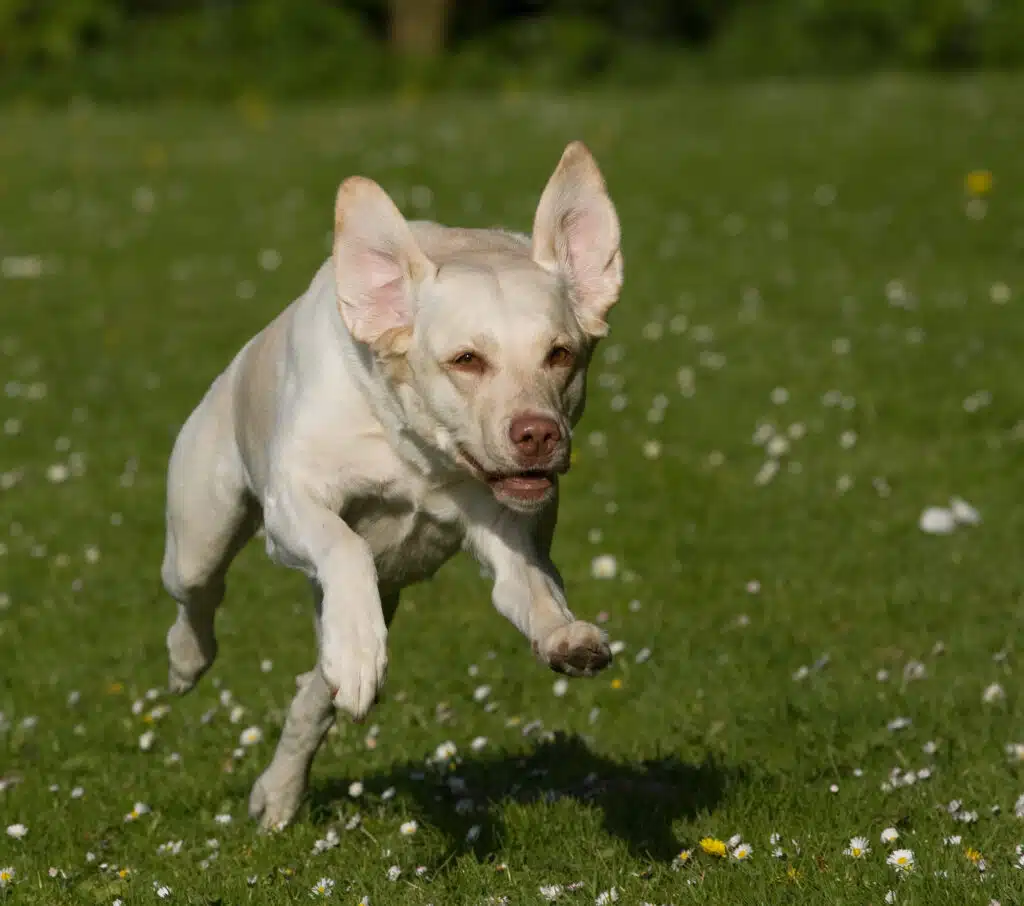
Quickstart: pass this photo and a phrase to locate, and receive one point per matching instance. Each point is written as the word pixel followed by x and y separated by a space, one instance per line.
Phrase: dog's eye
pixel 560 357
pixel 469 361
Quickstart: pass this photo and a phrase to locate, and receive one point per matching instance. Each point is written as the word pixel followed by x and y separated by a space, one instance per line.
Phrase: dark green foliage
pixel 135 49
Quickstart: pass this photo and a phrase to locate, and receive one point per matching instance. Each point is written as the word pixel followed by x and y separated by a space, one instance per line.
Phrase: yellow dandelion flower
pixel 973 855
pixel 978 182
pixel 254 109
pixel 714 847
pixel 155 157
pixel 616 683
pixel 792 874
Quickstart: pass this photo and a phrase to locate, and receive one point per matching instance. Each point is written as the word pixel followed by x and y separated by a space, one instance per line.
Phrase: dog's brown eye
pixel 560 357
pixel 469 361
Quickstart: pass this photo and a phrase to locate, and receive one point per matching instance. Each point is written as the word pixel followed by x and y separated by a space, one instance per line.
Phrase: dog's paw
pixel 274 802
pixel 576 649
pixel 355 675
pixel 190 657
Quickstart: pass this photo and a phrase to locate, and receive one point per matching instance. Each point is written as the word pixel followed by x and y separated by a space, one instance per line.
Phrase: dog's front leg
pixel 305 534
pixel 528 592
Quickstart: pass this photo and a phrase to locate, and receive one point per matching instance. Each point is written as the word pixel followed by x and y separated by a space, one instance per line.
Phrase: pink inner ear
pixel 377 298
pixel 588 242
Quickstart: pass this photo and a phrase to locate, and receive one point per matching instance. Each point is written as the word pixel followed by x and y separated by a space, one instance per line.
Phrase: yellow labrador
pixel 418 398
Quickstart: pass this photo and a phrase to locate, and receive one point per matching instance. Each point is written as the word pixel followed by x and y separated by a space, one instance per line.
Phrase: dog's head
pixel 486 336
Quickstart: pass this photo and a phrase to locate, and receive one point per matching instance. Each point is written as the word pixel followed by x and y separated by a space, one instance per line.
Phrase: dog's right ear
pixel 377 264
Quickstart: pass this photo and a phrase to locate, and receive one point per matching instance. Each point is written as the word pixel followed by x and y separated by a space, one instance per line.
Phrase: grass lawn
pixel 798 658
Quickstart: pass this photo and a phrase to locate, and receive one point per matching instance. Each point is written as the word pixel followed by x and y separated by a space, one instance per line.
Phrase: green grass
pixel 726 200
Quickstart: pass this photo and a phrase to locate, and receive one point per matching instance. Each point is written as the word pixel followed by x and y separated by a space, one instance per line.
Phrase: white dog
pixel 418 398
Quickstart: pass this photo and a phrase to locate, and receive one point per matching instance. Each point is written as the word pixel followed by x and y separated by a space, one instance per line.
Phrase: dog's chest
pixel 411 536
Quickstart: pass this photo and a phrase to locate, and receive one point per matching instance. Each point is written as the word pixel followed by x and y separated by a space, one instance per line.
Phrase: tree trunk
pixel 418 26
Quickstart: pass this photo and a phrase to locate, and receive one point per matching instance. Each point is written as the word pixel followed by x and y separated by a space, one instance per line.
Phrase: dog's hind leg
pixel 277 794
pixel 210 517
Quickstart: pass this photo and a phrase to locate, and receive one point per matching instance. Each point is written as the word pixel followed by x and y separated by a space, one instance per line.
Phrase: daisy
pixel 394 873
pixel 551 892
pixel 858 848
pixel 742 852
pixel 890 834
pixel 323 888
pixel 684 856
pixel 901 859
pixel 993 693
pixel 713 847
pixel 250 736
pixel 408 828
pixel 17 831
pixel 138 810
pixel 607 896
pixel 6 876
pixel 162 890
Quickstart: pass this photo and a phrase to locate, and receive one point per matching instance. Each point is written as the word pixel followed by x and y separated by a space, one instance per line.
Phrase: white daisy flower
pixel 858 848
pixel 607 896
pixel 408 828
pixel 551 892
pixel 742 852
pixel 250 736
pixel 901 859
pixel 890 897
pixel 17 831
pixel 994 692
pixel 604 566
pixel 138 810
pixel 394 873
pixel 7 876
pixel 445 751
pixel 322 888
pixel 890 834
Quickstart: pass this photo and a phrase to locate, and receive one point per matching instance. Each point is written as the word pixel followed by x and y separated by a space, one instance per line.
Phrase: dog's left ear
pixel 576 233
pixel 378 266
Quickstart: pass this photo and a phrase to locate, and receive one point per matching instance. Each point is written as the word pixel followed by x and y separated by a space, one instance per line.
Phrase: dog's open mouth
pixel 531 485
pixel 528 485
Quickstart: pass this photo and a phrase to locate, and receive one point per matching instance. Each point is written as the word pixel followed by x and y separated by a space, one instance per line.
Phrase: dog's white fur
pixel 356 430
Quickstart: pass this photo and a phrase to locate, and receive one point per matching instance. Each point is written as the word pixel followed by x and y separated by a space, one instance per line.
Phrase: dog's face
pixel 490 344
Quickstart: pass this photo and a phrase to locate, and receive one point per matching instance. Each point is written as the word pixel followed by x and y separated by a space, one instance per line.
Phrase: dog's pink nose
pixel 535 436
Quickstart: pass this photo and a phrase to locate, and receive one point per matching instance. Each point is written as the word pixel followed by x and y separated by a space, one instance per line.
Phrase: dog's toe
pixel 275 799
pixel 578 649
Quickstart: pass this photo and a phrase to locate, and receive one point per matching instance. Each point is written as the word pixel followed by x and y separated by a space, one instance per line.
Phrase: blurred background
pixel 142 49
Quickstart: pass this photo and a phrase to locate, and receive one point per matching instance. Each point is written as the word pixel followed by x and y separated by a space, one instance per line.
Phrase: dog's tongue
pixel 526 486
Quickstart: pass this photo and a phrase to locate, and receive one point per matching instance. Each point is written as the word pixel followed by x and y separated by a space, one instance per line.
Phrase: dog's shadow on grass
pixel 638 801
